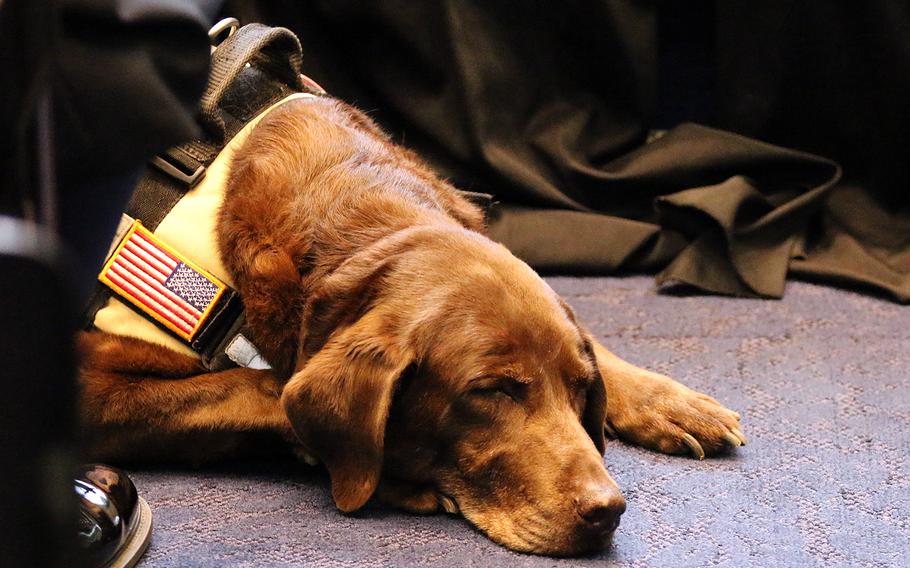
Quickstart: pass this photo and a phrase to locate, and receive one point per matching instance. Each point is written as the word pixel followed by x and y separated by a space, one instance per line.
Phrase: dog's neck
pixel 363 226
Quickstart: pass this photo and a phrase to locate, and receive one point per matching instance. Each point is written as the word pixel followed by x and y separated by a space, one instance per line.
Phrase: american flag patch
pixel 161 283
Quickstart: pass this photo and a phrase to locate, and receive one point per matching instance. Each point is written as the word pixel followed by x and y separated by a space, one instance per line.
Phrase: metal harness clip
pixel 222 30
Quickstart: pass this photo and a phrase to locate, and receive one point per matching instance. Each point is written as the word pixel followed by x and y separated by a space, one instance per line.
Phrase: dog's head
pixel 439 370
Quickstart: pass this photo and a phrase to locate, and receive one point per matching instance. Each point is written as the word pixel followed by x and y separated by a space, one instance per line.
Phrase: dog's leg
pixel 143 401
pixel 656 412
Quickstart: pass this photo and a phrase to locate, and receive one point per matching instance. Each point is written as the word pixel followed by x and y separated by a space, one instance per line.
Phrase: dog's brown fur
pixel 411 355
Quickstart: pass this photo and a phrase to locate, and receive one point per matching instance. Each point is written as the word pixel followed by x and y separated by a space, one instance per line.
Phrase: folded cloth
pixel 549 108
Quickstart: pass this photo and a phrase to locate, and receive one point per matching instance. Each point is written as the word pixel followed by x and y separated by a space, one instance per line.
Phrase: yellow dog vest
pixel 189 229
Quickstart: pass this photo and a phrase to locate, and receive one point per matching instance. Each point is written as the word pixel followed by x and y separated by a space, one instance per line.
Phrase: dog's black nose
pixel 600 509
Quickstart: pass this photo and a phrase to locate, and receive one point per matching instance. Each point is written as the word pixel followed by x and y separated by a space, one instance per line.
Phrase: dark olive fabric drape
pixel 549 106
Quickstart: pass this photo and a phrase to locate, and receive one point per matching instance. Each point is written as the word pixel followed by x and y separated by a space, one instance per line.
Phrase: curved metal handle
pixel 216 33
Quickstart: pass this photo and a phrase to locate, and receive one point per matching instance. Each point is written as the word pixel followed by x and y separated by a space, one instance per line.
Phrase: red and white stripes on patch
pixel 159 282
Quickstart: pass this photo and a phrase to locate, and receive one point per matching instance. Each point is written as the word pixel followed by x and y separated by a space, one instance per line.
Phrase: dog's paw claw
pixel 659 413
pixel 732 440
pixel 742 438
pixel 697 451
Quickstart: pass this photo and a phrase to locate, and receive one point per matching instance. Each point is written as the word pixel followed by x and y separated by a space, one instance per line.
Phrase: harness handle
pixel 277 49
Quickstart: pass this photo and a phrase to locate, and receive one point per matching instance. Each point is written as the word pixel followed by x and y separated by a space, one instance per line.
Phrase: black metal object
pixel 114 523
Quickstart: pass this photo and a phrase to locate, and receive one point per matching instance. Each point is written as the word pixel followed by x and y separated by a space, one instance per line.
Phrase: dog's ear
pixel 339 402
pixel 354 288
pixel 595 414
pixel 350 358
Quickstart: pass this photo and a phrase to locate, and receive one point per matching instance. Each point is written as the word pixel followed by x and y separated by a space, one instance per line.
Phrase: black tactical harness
pixel 252 68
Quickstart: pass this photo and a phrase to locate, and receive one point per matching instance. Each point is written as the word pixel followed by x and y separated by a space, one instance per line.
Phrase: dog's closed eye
pixel 498 387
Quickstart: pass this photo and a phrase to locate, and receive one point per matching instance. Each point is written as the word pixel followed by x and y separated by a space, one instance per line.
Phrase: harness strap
pixel 276 51
pixel 251 69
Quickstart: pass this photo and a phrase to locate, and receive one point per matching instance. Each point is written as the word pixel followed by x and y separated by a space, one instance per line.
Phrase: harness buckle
pixel 186 177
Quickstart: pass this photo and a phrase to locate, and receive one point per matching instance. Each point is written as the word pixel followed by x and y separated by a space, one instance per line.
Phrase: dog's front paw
pixel 656 412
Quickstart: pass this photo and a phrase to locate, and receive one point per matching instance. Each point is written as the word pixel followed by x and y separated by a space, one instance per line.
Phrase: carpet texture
pixel 822 379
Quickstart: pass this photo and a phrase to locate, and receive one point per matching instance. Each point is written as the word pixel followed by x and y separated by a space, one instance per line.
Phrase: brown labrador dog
pixel 413 356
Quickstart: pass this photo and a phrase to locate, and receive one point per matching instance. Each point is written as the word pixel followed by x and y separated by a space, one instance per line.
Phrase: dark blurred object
pixel 91 89
pixel 549 106
pixel 127 81
pixel 37 414
pixel 124 78
pixel 37 434
pixel 27 32
pixel 115 523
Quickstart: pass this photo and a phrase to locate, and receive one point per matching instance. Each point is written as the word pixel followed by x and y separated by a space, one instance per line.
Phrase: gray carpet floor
pixel 822 379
